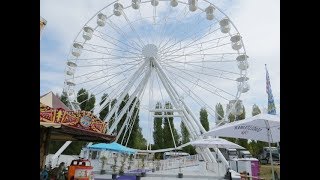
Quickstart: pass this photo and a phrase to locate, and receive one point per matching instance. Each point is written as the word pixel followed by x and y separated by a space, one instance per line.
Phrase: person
pixel 61 171
pixel 44 175
pixel 228 174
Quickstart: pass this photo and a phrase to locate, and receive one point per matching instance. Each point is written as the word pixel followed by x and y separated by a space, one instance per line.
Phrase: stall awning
pixel 113 147
pixel 60 132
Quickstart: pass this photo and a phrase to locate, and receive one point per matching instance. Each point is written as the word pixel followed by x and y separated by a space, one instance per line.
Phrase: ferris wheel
pixel 144 53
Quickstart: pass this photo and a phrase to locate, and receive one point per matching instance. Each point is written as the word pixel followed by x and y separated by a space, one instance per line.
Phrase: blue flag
pixel 271 106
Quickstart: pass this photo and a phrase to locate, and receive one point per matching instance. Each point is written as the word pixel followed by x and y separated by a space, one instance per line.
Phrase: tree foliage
pixel 256 147
pixel 157 129
pixel 219 114
pixel 168 127
pixel 186 138
pixel 242 142
pixel 162 135
pixel 204 118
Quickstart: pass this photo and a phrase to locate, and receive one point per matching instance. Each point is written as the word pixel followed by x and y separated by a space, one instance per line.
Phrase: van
pixel 231 154
pixel 244 154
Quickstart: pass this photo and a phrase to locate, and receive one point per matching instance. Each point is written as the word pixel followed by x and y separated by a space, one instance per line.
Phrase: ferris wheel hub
pixel 150 51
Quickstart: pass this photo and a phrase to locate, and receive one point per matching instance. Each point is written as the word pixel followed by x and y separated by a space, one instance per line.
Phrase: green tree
pixel 111 120
pixel 186 138
pixel 256 146
pixel 90 103
pixel 157 129
pixel 64 98
pixel 255 110
pixel 121 106
pixel 82 98
pixel 242 142
pixel 204 118
pixel 168 141
pixel 86 104
pixel 105 110
pixel 219 113
pixel 136 139
pixel 231 118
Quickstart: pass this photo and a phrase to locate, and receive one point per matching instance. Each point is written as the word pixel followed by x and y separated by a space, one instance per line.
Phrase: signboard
pixel 80 119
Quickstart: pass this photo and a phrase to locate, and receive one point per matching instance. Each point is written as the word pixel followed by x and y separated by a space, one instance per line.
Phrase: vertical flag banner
pixel 271 106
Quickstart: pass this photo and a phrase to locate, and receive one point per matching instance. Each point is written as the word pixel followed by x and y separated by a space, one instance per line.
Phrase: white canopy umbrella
pixel 262 127
pixel 215 142
pixel 255 128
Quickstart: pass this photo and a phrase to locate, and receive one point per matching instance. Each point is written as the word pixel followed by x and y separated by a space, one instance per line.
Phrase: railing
pixel 174 165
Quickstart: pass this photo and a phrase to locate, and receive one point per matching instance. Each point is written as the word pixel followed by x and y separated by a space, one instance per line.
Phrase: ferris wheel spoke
pixel 198 85
pixel 159 87
pixel 96 94
pixel 111 94
pixel 119 41
pixel 201 61
pixel 121 33
pixel 104 65
pixel 207 67
pixel 93 72
pixel 161 31
pixel 199 73
pixel 164 50
pixel 154 15
pixel 111 85
pixel 99 52
pixel 115 91
pixel 198 51
pixel 180 15
pixel 105 58
pixel 219 55
pixel 190 93
pixel 200 43
pixel 198 79
pixel 132 28
pixel 109 48
pixel 133 118
pixel 204 42
pixel 111 77
pixel 215 54
pixel 188 35
pixel 117 73
pixel 78 95
pixel 114 44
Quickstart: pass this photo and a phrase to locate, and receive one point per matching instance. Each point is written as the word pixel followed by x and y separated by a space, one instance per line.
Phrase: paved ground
pixel 195 172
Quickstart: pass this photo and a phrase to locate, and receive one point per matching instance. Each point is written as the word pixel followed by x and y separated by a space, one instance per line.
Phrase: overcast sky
pixel 257 21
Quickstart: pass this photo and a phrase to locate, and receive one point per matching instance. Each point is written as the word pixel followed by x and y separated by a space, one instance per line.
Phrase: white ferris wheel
pixel 187 52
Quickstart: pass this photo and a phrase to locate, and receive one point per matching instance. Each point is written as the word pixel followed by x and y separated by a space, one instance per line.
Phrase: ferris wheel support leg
pixel 201 152
pixel 188 126
pixel 194 118
pixel 186 111
pixel 124 93
pixel 223 159
pixel 184 116
pixel 162 73
pixel 58 153
pixel 139 89
pixel 175 101
pixel 129 115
